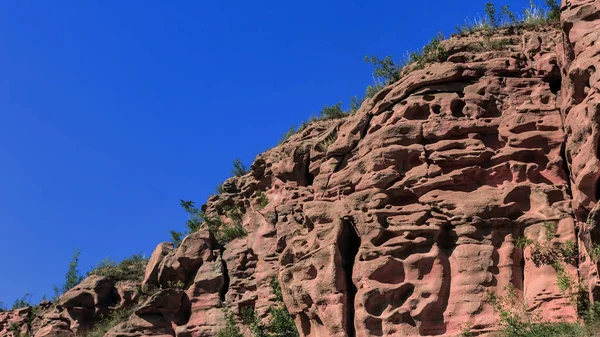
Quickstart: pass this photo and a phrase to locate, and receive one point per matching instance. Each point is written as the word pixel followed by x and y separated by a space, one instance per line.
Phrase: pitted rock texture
pixel 399 219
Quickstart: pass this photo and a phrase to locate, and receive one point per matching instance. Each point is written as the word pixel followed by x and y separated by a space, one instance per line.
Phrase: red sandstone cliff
pixel 399 219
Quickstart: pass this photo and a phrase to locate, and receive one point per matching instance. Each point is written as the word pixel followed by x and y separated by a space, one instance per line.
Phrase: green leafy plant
pixel 176 238
pixel 385 69
pixel 490 12
pixel 22 302
pixel 594 253
pixel 255 325
pixel 195 215
pixel 292 131
pixel 332 112
pixel 569 252
pixel 276 290
pixel 72 277
pixel 281 323
pixel 132 268
pixel 108 322
pixel 432 52
pixel 554 10
pixel 465 329
pixel 239 169
pixel 231 329
pixel 263 199
pixel 512 18
pixel 523 242
pixel 229 233
pixel 355 104
pixel 550 228
pixel 16 330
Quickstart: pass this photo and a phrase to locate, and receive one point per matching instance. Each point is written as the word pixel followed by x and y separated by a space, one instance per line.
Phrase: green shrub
pixel 292 131
pixel 231 329
pixel 276 290
pixel 132 268
pixel 255 325
pixel 512 19
pixel 554 11
pixel 105 324
pixel 72 277
pixel 550 228
pixel 16 330
pixel 595 253
pixel 239 169
pixel 228 233
pixel 332 112
pixel 355 104
pixel 195 215
pixel 490 12
pixel 372 90
pixel 22 302
pixel 281 323
pixel 523 242
pixel 385 69
pixel 569 252
pixel 223 232
pixel 432 52
pixel 263 199
pixel 233 212
pixel 176 238
pixel 465 329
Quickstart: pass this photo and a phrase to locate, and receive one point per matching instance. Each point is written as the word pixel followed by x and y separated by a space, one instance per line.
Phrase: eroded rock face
pixel 14 321
pixel 581 111
pixel 399 219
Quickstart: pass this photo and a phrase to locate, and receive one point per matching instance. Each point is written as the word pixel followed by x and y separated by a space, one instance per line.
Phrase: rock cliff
pixel 401 218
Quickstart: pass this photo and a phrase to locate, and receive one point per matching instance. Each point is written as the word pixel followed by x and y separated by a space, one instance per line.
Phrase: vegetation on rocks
pixel 131 268
pixel 239 169
pixel 280 324
pixel 263 200
pixel 223 232
pixel 519 320
pixel 72 277
pixel 106 323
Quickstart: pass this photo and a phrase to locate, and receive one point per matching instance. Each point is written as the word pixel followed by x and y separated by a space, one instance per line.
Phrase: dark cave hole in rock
pixel 225 288
pixel 304 323
pixel 349 243
pixel 310 178
pixel 447 238
pixel 565 165
pixel 456 107
pixel 597 190
pixel 185 311
pixel 555 85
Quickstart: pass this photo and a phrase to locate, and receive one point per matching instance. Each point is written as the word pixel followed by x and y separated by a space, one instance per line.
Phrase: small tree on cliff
pixel 72 277
pixel 239 169
pixel 553 10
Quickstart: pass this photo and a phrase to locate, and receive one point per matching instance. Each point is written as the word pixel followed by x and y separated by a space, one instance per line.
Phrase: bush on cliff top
pixel 132 268
pixel 72 277
pixel 223 232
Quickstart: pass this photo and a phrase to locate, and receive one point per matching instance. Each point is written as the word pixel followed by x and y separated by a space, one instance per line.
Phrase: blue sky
pixel 112 111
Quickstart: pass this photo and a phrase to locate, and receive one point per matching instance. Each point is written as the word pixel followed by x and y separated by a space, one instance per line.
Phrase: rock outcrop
pixel 400 219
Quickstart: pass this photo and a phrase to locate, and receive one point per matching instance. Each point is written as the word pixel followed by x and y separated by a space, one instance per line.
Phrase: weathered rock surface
pixel 399 219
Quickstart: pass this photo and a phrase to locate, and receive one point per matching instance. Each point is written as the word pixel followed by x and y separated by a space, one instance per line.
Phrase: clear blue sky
pixel 111 111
